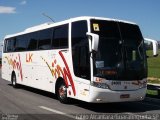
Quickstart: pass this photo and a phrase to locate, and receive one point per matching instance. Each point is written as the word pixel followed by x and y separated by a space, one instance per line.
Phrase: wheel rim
pixel 62 92
pixel 14 80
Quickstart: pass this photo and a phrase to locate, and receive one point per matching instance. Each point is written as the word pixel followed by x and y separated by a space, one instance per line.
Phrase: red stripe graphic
pixel 67 73
pixel 20 67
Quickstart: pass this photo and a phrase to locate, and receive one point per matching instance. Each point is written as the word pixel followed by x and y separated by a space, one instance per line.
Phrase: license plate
pixel 124 96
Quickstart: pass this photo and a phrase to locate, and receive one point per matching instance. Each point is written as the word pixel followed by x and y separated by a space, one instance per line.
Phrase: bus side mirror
pixel 152 45
pixel 94 40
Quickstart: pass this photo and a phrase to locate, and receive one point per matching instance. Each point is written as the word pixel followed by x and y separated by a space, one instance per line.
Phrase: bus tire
pixel 14 81
pixel 62 92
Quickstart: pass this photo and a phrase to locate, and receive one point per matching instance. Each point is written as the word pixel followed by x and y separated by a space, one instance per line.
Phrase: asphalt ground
pixel 26 103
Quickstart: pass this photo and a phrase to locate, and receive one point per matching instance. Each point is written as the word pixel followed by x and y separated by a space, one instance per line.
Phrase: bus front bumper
pixel 99 95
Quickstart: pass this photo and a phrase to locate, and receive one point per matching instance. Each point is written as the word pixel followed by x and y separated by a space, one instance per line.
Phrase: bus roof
pixel 52 24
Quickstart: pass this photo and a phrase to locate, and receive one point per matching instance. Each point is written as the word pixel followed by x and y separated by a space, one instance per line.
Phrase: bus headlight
pixel 100 85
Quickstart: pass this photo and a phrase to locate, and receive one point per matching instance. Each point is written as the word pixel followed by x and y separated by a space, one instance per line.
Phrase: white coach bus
pixel 91 59
pixel 153 44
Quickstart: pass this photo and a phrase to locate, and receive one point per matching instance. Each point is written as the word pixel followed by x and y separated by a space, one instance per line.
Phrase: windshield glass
pixel 120 53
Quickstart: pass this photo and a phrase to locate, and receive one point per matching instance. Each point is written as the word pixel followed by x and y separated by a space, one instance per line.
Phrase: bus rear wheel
pixel 14 81
pixel 62 93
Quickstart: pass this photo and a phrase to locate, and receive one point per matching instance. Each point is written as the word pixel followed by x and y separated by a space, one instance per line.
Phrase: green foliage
pixel 152 92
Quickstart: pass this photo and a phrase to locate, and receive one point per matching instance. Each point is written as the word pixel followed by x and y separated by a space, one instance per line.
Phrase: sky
pixel 17 15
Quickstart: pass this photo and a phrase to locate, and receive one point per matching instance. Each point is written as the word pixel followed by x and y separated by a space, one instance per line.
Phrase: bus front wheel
pixel 62 93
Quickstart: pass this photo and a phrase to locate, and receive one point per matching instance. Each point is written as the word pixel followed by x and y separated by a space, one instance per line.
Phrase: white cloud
pixel 7 10
pixel 23 2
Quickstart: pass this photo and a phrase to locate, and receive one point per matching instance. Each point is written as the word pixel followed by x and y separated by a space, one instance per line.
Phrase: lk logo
pixel 29 57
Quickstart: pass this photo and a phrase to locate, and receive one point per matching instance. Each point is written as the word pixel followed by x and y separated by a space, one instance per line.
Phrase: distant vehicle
pixel 153 44
pixel 91 59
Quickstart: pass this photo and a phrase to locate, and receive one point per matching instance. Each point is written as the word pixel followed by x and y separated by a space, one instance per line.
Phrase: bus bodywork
pixel 91 59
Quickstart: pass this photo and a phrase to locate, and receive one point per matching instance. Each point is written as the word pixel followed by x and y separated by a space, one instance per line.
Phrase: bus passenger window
pixel 60 37
pixel 44 41
pixel 10 45
pixel 32 41
pixel 21 43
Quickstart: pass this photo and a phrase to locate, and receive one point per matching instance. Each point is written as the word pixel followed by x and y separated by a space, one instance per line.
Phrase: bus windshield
pixel 120 53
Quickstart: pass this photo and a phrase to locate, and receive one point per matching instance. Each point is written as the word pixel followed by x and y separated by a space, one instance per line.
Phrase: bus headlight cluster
pixel 143 85
pixel 100 85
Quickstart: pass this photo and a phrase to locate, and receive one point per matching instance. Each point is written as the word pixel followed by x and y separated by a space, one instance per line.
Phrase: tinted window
pixel 21 43
pixel 80 50
pixel 79 30
pixel 45 39
pixel 109 49
pixel 107 29
pixel 32 41
pixel 5 46
pixel 10 45
pixel 60 37
pixel 129 31
pixel 41 40
pixel 120 49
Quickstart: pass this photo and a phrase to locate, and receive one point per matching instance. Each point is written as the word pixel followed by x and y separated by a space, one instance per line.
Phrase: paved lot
pixel 29 103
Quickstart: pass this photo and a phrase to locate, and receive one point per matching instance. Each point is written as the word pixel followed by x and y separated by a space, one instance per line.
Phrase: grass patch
pixel 152 92
pixel 153 65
